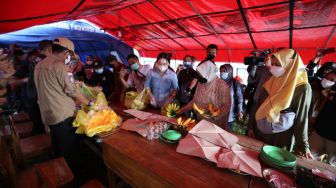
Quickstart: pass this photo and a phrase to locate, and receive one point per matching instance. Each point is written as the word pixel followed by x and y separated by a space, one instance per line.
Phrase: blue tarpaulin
pixel 88 40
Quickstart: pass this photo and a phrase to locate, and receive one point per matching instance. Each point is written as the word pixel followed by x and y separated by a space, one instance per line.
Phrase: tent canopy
pixel 87 39
pixel 188 26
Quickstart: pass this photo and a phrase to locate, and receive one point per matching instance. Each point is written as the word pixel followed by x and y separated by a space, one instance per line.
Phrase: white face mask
pixel 224 75
pixel 326 84
pixel 99 71
pixel 187 64
pixel 67 60
pixel 111 69
pixel 163 68
pixel 277 71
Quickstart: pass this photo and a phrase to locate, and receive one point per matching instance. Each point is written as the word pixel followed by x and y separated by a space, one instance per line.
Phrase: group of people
pixel 286 108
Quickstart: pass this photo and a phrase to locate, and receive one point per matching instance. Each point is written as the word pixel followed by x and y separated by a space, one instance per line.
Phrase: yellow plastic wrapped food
pixel 142 100
pixel 97 118
pixel 129 98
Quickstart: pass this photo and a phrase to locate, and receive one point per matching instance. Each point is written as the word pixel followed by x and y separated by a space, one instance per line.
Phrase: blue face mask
pixel 224 75
pixel 135 66
pixel 99 71
pixel 187 64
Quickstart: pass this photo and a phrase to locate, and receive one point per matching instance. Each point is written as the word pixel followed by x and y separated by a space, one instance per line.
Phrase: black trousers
pixel 66 143
pixel 34 113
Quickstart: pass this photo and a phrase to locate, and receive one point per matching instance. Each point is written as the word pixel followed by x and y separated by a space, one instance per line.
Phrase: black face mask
pixel 210 57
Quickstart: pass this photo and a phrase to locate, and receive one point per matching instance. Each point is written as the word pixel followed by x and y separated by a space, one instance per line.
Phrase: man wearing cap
pixel 102 77
pixel 56 94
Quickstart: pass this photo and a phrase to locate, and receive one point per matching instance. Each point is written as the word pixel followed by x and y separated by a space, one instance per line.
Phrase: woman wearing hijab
pixel 236 93
pixel 283 104
pixel 211 89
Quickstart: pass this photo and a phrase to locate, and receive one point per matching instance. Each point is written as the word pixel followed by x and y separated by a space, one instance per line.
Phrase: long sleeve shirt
pixel 161 86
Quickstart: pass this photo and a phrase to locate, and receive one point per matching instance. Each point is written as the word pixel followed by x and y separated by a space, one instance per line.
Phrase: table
pixel 152 163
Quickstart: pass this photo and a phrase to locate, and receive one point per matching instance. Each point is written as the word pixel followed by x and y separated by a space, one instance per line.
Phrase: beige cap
pixel 65 42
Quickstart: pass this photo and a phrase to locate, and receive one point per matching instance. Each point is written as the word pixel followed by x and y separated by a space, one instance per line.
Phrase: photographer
pixel 315 62
pixel 258 63
pixel 323 139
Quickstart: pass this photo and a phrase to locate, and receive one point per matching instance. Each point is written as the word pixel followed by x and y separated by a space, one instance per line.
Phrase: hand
pixel 3 100
pixel 25 80
pixel 181 111
pixel 240 115
pixel 317 59
pixel 306 155
pixel 3 91
pixel 153 101
pixel 97 89
pixel 123 73
pixel 250 133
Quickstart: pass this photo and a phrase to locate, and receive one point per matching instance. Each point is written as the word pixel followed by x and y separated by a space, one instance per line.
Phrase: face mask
pixel 327 83
pixel 99 71
pixel 277 71
pixel 224 75
pixel 187 64
pixel 163 68
pixel 210 57
pixel 135 66
pixel 67 60
pixel 111 69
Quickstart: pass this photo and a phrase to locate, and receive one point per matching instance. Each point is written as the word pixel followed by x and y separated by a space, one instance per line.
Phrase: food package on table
pixel 142 100
pixel 97 118
pixel 129 98
pixel 208 112
pixel 184 124
pixel 170 110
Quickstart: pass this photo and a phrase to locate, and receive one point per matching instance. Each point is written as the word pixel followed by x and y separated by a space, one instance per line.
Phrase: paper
pixel 214 134
pixel 136 125
pixel 192 145
pixel 149 116
pixel 209 141
pixel 240 159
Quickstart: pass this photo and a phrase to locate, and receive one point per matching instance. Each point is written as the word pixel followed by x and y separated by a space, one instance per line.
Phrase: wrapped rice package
pixel 97 118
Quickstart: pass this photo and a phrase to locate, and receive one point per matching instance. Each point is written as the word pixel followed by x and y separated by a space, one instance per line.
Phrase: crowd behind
pixel 285 103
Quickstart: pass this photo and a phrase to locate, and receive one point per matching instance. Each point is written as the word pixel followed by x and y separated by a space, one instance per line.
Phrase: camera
pixel 257 57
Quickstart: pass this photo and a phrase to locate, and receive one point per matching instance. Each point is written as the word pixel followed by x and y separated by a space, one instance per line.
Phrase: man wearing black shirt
pixel 102 77
pixel 185 77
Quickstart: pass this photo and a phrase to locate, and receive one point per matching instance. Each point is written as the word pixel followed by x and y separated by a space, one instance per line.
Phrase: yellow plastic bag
pixel 97 118
pixel 142 100
pixel 129 98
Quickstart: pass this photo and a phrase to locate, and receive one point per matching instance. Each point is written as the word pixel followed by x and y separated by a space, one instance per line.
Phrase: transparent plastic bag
pixel 142 100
